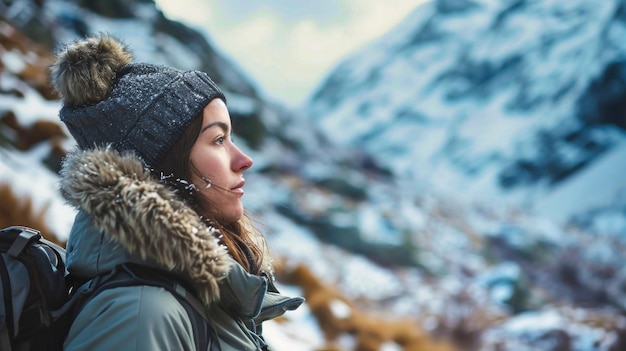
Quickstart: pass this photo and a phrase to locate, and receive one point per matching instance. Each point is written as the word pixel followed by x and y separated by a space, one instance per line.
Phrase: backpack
pixel 39 299
pixel 32 276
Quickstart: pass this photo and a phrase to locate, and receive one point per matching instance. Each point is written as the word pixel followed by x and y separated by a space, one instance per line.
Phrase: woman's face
pixel 217 164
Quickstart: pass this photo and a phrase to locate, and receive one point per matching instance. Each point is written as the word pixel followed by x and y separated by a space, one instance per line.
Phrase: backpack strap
pixel 144 275
pixel 129 274
pixel 6 309
pixel 25 237
pixel 5 341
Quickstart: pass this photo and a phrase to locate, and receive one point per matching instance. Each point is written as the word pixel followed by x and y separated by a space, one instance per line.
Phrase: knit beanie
pixel 110 101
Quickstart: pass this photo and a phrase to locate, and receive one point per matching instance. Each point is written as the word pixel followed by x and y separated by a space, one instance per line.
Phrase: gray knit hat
pixel 108 100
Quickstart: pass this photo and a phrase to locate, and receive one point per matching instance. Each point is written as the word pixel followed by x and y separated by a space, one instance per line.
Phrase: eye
pixel 220 140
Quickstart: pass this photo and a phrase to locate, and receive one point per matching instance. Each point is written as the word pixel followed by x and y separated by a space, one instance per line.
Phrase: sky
pixel 287 47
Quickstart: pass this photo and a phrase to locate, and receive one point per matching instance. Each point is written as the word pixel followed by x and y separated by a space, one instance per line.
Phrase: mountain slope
pixel 497 100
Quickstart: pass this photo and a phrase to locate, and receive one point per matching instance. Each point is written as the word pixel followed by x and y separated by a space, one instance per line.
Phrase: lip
pixel 239 187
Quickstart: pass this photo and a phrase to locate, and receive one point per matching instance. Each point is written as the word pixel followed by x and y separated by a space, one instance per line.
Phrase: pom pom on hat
pixel 108 100
pixel 85 70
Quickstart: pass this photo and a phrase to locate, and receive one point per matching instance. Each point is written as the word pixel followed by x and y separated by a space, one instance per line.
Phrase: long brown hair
pixel 244 241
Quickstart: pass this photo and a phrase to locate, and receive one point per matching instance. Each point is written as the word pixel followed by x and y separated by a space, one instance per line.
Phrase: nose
pixel 241 161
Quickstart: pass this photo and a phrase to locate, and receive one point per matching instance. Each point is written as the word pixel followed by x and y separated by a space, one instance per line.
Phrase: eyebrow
pixel 222 125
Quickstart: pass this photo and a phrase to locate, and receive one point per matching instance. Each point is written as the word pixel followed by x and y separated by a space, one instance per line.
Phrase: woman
pixel 158 182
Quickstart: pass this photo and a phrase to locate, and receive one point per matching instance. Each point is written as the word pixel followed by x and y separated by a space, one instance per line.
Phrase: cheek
pixel 203 162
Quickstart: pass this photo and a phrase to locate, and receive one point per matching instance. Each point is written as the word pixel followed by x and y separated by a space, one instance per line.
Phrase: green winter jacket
pixel 126 217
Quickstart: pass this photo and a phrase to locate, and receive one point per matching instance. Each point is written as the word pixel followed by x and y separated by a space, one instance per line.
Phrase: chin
pixel 228 218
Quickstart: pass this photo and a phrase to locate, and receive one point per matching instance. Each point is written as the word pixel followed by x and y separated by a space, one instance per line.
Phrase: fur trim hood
pixel 144 216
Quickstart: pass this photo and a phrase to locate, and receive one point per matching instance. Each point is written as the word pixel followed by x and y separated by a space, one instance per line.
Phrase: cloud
pixel 192 11
pixel 287 50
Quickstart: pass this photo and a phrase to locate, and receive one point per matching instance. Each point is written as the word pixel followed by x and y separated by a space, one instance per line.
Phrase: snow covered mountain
pixel 514 101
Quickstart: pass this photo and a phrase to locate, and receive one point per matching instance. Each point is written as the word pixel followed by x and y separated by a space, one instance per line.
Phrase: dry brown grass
pixel 28 136
pixel 370 331
pixel 36 59
pixel 19 211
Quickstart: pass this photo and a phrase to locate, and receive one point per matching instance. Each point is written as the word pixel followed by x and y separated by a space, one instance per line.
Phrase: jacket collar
pixel 252 297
